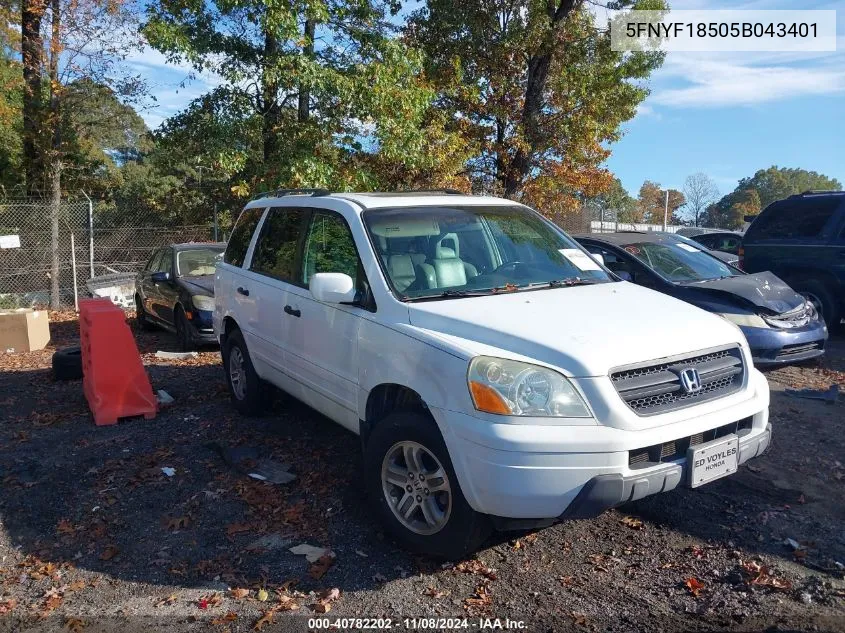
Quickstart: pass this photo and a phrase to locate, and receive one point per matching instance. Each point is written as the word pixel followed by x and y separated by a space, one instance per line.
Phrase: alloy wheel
pixel 416 488
pixel 237 373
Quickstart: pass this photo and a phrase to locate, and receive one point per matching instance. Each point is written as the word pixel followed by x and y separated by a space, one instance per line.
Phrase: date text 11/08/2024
pixel 417 624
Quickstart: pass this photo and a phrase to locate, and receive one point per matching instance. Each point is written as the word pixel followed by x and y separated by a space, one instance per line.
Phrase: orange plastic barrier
pixel 113 377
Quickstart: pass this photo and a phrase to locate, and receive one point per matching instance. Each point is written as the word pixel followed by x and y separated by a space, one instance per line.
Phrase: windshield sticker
pixel 688 248
pixel 633 250
pixel 579 259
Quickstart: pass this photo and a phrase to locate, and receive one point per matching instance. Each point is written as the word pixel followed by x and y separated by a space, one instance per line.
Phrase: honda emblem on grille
pixel 690 380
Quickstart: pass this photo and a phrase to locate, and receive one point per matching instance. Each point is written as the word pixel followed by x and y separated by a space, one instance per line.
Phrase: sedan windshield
pixel 679 262
pixel 196 262
pixel 446 252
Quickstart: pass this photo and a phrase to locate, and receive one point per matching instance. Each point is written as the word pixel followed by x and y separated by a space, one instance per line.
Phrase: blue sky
pixel 724 114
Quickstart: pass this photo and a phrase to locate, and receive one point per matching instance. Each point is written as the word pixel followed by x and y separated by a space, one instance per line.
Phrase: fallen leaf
pixel 262 595
pixel 330 594
pixel 239 593
pixel 321 607
pixel 165 601
pixel 632 522
pixel 567 581
pixel 267 618
pixel 202 603
pixel 475 566
pixel 431 592
pixel 7 606
pixel 52 603
pixel 238 528
pixel 694 585
pixel 77 585
pixel 109 552
pixel 74 624
pixel 225 619
pixel 579 618
pixel 286 603
pixel 65 527
pixel 177 523
pixel 319 568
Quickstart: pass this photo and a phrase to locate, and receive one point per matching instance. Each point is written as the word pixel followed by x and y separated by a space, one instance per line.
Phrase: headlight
pixel 799 317
pixel 509 387
pixel 201 302
pixel 746 319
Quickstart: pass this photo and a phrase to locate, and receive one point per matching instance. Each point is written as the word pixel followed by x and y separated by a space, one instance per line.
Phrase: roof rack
pixel 414 192
pixel 816 192
pixel 280 193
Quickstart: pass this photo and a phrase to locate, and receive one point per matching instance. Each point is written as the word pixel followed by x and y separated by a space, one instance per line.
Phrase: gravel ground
pixel 95 536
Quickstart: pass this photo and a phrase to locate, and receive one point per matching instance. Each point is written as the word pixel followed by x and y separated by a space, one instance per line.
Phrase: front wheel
pixel 248 391
pixel 412 485
pixel 183 331
pixel 824 300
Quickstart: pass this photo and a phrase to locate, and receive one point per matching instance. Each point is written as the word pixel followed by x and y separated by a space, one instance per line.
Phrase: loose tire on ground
pixel 67 363
pixel 464 529
pixel 249 393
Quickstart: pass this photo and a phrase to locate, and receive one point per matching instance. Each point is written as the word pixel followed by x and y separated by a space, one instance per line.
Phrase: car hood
pixel 761 290
pixel 583 330
pixel 200 285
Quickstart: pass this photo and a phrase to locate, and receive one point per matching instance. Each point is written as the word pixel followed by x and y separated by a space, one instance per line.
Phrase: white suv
pixel 498 375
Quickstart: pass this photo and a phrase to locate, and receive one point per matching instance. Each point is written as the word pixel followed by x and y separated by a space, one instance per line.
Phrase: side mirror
pixel 332 288
pixel 160 278
pixel 624 275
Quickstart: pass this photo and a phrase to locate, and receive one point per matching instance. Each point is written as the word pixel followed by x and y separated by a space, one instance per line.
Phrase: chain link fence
pixel 110 240
pixel 93 239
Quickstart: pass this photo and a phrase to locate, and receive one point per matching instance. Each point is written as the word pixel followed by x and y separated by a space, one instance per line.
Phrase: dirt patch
pixel 96 535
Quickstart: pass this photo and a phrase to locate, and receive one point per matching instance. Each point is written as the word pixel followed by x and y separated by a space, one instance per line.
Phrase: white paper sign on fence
pixel 10 241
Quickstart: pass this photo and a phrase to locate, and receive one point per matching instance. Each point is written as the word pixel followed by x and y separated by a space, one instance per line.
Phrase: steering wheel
pixel 510 265
pixel 676 269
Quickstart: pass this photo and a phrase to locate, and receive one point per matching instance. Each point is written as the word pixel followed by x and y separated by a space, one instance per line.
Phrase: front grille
pixel 677 449
pixel 656 388
pixel 796 349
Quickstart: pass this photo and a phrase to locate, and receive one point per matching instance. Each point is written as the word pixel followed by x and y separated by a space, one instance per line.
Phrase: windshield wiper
pixel 451 294
pixel 562 283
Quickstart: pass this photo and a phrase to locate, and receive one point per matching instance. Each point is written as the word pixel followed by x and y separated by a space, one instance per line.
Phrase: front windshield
pixel 467 250
pixel 679 262
pixel 196 262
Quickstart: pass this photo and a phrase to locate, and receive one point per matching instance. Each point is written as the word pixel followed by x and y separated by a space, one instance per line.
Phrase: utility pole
pixel 666 211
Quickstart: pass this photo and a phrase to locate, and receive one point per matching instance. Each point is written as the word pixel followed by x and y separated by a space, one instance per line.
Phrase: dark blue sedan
pixel 780 325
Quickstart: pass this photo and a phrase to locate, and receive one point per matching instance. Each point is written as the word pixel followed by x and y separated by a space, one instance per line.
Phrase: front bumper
pixel 774 347
pixel 607 491
pixel 535 472
pixel 202 327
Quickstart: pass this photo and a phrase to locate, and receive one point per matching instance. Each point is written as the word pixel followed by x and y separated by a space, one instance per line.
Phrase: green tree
pixel 758 191
pixel 614 204
pixel 323 81
pixel 537 87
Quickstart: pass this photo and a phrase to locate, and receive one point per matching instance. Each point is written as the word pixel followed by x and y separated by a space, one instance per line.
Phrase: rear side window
pixel 277 248
pixel 794 218
pixel 242 234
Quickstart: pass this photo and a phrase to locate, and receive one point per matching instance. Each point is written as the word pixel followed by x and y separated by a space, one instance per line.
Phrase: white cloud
pixel 723 80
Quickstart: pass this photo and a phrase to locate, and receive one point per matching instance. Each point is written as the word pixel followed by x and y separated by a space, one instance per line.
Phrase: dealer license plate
pixel 712 460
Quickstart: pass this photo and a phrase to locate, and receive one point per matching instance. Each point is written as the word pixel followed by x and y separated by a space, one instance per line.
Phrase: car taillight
pixel 741 263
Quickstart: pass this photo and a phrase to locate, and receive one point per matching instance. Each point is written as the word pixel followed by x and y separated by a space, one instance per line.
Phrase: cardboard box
pixel 24 330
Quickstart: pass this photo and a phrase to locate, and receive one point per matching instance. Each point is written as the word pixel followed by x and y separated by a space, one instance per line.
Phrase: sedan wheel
pixel 416 488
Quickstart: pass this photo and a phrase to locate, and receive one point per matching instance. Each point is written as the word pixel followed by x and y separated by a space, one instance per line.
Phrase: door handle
pixel 243 291
pixel 292 312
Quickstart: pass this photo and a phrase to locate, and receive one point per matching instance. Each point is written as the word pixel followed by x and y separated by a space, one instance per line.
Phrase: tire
pixel 141 318
pixel 183 331
pixel 67 363
pixel 249 393
pixel 457 529
pixel 823 297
